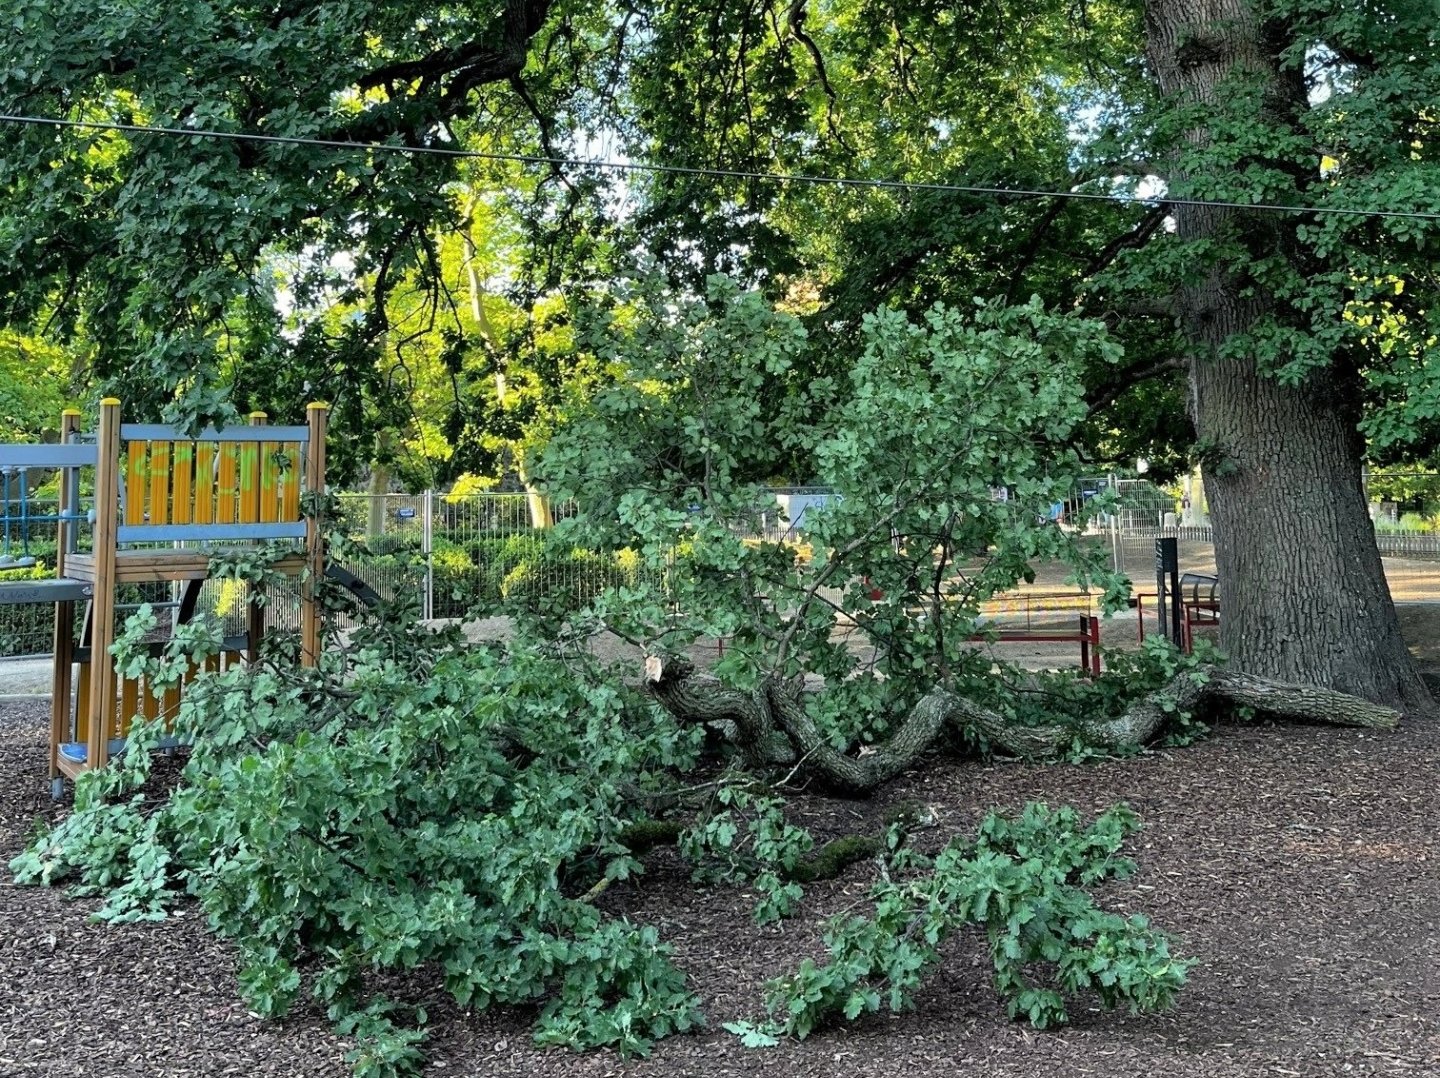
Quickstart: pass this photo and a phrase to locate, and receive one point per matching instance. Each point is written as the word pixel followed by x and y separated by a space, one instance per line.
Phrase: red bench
pixel 1199 605
pixel 1087 636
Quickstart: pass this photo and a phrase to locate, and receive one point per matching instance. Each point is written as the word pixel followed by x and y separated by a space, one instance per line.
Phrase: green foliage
pixel 97 226
pixel 559 578
pixel 1072 699
pixel 942 411
pixel 1023 882
pixel 536 574
pixel 382 1046
pixel 745 838
pixel 165 259
pixel 1407 524
pixel 1336 300
pixel 22 626
pixel 38 571
pixel 387 822
pixel 414 803
pixel 34 387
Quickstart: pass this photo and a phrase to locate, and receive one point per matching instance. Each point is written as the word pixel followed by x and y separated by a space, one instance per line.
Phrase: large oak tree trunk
pixel 1305 597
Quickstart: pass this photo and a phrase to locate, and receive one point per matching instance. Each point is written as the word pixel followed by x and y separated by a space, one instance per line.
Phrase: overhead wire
pixel 811 179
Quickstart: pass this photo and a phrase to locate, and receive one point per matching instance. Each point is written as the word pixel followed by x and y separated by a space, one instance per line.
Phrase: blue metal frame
pixel 176 533
pixel 159 432
pixel 48 456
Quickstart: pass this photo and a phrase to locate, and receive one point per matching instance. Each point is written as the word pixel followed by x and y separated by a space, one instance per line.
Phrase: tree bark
pixel 1305 597
pixel 771 724
pixel 375 506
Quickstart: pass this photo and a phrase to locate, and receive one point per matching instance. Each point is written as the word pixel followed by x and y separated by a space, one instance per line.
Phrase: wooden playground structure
pixel 164 503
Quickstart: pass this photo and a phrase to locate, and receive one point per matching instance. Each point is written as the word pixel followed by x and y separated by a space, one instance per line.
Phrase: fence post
pixel 427 524
pixel 1117 552
pixel 316 418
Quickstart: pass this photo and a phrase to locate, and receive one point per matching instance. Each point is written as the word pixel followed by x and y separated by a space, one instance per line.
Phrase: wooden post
pixel 316 416
pixel 252 500
pixel 1090 644
pixel 102 630
pixel 63 645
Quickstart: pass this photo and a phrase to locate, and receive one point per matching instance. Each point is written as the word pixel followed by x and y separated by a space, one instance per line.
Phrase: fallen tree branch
pixel 776 713
pixel 824 862
pixel 700 698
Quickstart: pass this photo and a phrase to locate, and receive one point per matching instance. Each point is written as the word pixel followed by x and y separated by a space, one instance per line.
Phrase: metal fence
pixel 455 555
pixel 451 555
pixel 1404 506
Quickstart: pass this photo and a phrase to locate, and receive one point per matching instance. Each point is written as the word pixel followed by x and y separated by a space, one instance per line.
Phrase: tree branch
pixel 542 122
pixel 1135 238
pixel 796 19
pixel 1032 246
pixel 779 708
pixel 1106 393
pixel 474 63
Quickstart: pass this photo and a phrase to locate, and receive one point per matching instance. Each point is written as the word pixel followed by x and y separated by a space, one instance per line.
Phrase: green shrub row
pixel 492 572
pixel 24 629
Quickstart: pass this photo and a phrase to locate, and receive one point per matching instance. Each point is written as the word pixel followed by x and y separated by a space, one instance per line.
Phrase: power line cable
pixel 714 173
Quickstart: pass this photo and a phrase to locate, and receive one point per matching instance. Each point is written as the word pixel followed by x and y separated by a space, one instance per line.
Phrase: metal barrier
pixel 455 552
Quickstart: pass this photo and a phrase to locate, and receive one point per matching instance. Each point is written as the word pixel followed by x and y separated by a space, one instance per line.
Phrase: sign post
pixel 1167 589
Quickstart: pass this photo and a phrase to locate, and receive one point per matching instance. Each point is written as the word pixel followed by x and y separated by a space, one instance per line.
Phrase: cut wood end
pixel 654 668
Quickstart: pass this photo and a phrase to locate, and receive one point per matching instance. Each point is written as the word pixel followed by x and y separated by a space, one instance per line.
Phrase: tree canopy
pixel 199 267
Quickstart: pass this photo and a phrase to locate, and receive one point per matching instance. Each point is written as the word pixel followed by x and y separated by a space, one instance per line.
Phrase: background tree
pixel 163 246
pixel 1303 105
pixel 1302 334
pixel 1289 325
pixel 35 385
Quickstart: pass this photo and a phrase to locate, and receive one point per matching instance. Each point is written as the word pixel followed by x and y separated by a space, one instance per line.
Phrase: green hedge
pixel 26 629
pixel 534 570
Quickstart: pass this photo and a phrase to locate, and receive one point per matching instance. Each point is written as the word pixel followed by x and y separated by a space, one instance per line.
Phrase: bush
pixel 559 578
pixel 392 543
pixel 459 584
pixel 545 572
pixel 524 572
pixel 25 629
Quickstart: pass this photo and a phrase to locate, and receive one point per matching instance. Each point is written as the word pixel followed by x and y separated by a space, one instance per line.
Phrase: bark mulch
pixel 1300 865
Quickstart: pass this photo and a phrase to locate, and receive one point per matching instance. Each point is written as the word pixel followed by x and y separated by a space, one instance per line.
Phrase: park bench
pixel 1086 634
pixel 1200 601
pixel 1199 605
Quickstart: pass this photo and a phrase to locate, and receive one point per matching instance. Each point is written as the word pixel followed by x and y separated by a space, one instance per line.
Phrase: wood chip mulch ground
pixel 1301 866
